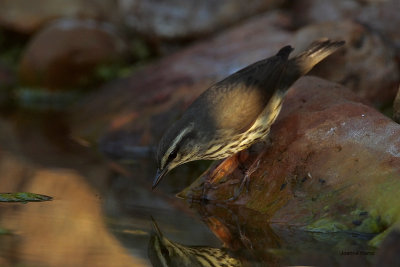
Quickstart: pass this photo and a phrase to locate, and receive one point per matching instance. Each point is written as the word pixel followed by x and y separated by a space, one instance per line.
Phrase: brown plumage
pixel 238 111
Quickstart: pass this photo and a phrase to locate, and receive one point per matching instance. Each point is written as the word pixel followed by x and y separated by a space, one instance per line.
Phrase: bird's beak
pixel 159 175
pixel 155 227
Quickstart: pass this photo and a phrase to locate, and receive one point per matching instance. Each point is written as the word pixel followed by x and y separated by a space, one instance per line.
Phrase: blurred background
pixel 87 88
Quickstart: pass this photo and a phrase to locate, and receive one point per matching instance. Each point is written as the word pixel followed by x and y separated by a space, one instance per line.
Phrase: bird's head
pixel 179 145
pixel 161 251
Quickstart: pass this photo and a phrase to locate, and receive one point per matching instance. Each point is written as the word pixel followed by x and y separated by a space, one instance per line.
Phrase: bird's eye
pixel 173 155
pixel 164 251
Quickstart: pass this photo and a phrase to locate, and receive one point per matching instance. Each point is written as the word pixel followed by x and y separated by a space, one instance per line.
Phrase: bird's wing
pixel 237 101
pixel 237 109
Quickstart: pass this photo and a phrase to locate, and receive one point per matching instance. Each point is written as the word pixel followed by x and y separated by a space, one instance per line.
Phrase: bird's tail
pixel 316 52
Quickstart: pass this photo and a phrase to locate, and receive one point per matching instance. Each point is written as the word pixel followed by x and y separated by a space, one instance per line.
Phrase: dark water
pixel 101 211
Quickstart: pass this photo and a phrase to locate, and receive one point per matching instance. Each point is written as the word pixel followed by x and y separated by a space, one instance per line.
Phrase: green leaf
pixel 23 197
pixel 5 231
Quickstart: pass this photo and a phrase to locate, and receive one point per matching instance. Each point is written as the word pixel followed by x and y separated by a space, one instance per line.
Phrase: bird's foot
pixel 245 181
pixel 206 187
pixel 208 184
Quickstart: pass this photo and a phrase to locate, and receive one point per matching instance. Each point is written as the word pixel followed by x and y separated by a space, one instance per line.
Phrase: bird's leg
pixel 221 171
pixel 206 186
pixel 253 167
pixel 245 240
pixel 225 168
pixel 246 179
pixel 242 236
pixel 249 172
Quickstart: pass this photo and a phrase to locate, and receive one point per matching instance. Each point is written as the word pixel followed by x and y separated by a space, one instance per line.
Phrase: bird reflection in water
pixel 163 252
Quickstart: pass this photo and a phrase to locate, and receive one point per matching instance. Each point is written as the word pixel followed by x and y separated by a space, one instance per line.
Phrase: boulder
pixel 65 53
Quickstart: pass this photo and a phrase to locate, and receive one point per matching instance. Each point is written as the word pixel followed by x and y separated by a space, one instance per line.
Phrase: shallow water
pixel 101 210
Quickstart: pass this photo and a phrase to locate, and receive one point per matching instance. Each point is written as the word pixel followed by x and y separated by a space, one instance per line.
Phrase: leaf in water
pixel 23 197
pixel 5 231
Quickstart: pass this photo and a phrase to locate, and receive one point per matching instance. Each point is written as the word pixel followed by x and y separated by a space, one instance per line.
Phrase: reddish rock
pixel 366 65
pixel 65 53
pixel 333 165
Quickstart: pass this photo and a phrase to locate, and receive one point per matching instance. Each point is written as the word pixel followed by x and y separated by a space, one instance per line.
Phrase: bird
pixel 237 111
pixel 163 252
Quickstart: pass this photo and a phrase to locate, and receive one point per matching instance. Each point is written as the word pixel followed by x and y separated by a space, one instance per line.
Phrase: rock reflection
pixel 256 242
pixel 163 252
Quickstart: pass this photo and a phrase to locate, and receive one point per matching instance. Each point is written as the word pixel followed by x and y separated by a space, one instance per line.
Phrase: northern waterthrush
pixel 238 111
pixel 162 253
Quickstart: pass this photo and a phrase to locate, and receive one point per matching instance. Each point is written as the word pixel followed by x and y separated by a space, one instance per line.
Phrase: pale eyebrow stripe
pixel 175 143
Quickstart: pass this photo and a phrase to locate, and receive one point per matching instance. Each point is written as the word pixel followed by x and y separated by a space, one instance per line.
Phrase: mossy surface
pixel 326 225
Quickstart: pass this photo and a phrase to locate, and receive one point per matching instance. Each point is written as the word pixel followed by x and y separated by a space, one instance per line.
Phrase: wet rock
pixel 243 230
pixel 366 65
pixel 324 133
pixel 65 53
pixel 188 19
pixel 135 111
pixel 28 17
pixel 396 107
